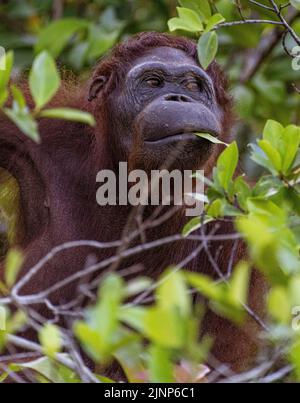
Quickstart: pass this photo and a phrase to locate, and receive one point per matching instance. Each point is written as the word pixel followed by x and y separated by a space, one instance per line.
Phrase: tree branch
pixel 257 56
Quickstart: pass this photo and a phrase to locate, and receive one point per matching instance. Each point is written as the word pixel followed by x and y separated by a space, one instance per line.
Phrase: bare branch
pixel 285 23
pixel 30 346
pixel 257 57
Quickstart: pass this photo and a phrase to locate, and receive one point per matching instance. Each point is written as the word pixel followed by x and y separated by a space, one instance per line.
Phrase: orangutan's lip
pixel 180 137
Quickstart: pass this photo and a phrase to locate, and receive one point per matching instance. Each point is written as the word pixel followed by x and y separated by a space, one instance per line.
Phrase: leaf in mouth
pixel 211 138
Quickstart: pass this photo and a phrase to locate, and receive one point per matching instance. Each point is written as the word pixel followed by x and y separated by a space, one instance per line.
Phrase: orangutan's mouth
pixel 181 137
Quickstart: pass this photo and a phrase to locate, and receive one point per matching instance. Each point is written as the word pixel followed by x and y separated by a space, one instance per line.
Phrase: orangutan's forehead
pixel 169 69
pixel 165 54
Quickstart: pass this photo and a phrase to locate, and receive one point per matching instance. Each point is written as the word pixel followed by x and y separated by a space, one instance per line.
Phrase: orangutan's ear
pixel 97 85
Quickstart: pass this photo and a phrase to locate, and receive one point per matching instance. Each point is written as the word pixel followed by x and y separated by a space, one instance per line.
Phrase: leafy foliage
pixel 159 341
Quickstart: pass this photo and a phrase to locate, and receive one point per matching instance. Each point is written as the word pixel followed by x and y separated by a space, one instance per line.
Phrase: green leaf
pixel 272 154
pixel 45 368
pixel 243 192
pixel 133 316
pixel 69 114
pixel 239 284
pixel 188 20
pixel 193 225
pixel 215 20
pixel 267 209
pixel 104 317
pixel 17 322
pixel 207 48
pixel 294 291
pixel 131 359
pixel 173 293
pixel 288 258
pixel 13 263
pixel 281 145
pixel 160 365
pixel 100 333
pixel 90 340
pixel 279 306
pixel 291 138
pixel 25 123
pixel 205 286
pixel 202 7
pixel 294 355
pixel 18 97
pixel 164 327
pixel 216 209
pixel 44 80
pixel 267 186
pixel 3 97
pixel 228 310
pixel 3 316
pixel 100 41
pixel 273 132
pixel 266 232
pixel 50 339
pixel 219 295
pixel 137 286
pixel 55 36
pixel 226 165
pixel 260 158
pixel 5 74
pixel 211 138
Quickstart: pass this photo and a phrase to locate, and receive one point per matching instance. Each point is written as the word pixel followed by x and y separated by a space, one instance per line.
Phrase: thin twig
pixel 288 27
pixel 28 345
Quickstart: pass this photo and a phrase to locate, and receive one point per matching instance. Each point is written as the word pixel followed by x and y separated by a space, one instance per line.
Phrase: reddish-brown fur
pixel 57 185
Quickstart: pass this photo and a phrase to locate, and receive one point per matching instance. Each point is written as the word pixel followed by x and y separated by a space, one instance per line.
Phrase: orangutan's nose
pixel 178 98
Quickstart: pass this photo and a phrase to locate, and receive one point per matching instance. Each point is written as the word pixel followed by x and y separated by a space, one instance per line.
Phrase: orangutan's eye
pixel 154 82
pixel 193 85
